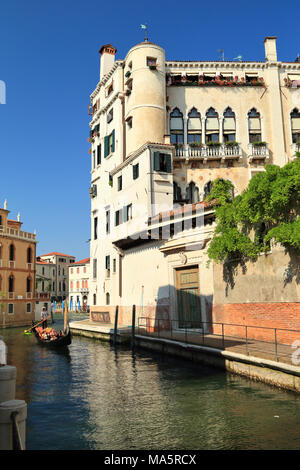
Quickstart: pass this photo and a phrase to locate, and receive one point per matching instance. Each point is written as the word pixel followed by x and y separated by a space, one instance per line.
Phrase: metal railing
pixel 261 341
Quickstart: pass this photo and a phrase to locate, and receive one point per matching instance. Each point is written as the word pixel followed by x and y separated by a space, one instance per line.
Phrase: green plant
pixel 213 144
pixel 267 209
pixel 231 144
pixel 259 144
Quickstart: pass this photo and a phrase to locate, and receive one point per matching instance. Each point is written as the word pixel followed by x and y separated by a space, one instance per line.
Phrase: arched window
pixel 11 282
pixel 194 127
pixel 254 126
pixel 207 189
pixel 0 219
pixel 229 128
pixel 295 125
pixel 176 192
pixel 29 255
pixel 192 193
pixel 28 284
pixel 211 126
pixel 107 298
pixel 176 127
pixel 94 299
pixel 11 253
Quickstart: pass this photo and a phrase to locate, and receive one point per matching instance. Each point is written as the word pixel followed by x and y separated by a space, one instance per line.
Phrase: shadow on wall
pixel 177 308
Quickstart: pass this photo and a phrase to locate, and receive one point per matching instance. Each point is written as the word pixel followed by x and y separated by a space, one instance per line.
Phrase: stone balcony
pixel 258 152
pixel 15 233
pixel 207 152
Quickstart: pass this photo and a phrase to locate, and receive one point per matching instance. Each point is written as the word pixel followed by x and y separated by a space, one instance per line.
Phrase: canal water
pixel 100 398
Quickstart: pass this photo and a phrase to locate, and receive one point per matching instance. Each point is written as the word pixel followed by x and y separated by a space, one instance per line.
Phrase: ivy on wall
pixel 267 209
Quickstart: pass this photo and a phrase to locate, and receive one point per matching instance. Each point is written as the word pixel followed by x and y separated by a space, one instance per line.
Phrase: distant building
pixel 17 272
pixel 57 273
pixel 79 274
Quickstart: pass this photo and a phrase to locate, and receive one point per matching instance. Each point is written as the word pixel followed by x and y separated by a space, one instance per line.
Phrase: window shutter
pixel 113 141
pixel 106 146
pixel 156 165
pixel 169 163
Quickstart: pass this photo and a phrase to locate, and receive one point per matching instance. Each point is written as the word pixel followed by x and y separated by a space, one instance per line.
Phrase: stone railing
pixel 12 232
pixel 258 151
pixel 209 151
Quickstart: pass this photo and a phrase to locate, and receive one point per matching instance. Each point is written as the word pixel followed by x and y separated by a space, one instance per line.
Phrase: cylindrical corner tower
pixel 145 100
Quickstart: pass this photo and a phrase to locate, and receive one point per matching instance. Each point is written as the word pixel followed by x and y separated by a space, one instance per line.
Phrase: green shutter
pixel 156 165
pixel 169 163
pixel 113 141
pixel 106 146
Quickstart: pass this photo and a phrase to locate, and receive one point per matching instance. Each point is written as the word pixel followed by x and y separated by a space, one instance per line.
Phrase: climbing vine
pixel 268 209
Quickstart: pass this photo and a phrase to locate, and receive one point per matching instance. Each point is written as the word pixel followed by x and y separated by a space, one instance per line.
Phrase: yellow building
pixel 17 272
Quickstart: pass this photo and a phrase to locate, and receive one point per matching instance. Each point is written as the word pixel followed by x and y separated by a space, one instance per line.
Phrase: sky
pixel 49 63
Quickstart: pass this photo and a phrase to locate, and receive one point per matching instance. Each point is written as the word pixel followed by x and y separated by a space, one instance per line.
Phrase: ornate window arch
pixel 194 127
pixel 212 128
pixel 295 125
pixel 177 196
pixel 254 126
pixel 229 125
pixel 176 127
pixel 11 283
pixel 28 284
pixel 192 193
pixel 12 252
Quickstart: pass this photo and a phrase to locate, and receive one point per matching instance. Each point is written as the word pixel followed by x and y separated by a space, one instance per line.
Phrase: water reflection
pixel 101 397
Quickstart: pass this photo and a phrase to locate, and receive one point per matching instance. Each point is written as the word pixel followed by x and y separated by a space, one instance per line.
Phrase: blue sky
pixel 49 62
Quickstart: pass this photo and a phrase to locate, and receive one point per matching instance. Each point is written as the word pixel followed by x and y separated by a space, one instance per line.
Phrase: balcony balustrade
pixel 12 232
pixel 209 151
pixel 258 152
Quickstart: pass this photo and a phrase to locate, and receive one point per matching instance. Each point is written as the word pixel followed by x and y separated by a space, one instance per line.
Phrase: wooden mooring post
pixel 116 325
pixel 133 327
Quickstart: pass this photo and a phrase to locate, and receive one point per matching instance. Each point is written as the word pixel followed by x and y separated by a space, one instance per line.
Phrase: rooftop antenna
pixel 144 26
pixel 222 53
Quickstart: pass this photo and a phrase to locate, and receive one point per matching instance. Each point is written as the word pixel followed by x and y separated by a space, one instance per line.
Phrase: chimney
pixel 270 49
pixel 107 59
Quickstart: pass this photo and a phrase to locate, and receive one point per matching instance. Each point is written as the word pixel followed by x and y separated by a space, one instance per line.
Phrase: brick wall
pixel 261 319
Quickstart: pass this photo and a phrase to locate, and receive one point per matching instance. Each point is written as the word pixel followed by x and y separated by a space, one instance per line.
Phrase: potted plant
pixel 213 144
pixel 195 145
pixel 231 143
pixel 259 144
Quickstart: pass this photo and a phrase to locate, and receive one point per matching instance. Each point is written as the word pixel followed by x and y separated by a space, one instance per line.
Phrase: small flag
pixel 143 26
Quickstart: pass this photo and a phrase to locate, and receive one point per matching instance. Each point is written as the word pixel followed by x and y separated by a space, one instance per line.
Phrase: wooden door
pixel 188 301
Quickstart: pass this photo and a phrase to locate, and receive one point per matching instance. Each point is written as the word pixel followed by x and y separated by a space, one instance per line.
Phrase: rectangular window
pixel 135 171
pixel 107 220
pixel 120 183
pixel 99 154
pixel 10 309
pixel 107 262
pixel 95 228
pixel 118 217
pixel 151 61
pixel 114 265
pixel 109 89
pixel 109 144
pixel 28 308
pixel 110 115
pixel 127 211
pixel 94 159
pixel 94 268
pixel 162 162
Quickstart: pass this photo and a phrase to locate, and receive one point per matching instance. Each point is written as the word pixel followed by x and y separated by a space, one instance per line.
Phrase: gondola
pixel 61 341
